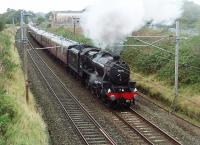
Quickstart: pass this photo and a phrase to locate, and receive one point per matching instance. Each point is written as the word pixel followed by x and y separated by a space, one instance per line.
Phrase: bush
pixel 40 20
pixel 67 33
pixel 8 65
pixel 2 25
pixel 7 111
pixel 152 61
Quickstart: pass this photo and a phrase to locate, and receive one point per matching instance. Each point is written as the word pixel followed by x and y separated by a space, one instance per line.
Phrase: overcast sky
pixel 49 5
pixel 44 5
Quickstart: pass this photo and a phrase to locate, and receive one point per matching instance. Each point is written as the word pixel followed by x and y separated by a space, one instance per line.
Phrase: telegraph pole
pixel 174 103
pixel 21 25
pixel 75 20
pixel 13 19
pixel 24 47
pixel 26 69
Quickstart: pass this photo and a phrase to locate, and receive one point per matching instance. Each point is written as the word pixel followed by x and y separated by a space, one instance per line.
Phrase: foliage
pixel 67 33
pixel 2 24
pixel 40 20
pixel 7 111
pixel 10 15
pixel 7 107
pixel 151 60
pixel 191 15
pixel 8 65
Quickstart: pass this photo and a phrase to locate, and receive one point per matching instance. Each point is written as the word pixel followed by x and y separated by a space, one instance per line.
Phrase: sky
pixel 44 5
pixel 196 1
pixel 49 5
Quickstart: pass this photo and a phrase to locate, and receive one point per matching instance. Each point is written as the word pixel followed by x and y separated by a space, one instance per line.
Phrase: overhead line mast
pixel 174 103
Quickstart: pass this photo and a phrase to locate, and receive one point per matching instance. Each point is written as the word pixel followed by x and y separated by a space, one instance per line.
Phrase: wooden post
pixel 27 91
pixel 26 69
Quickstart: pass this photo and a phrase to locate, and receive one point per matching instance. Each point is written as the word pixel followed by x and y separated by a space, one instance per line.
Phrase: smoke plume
pixel 110 21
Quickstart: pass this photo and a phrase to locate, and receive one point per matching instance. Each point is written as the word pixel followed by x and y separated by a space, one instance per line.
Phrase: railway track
pixel 147 131
pixel 143 96
pixel 85 124
pixel 87 127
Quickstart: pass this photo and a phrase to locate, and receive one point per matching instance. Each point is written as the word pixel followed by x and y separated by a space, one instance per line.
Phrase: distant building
pixel 65 18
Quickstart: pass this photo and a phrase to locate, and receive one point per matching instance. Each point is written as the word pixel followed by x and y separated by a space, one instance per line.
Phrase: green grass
pixel 188 103
pixel 20 124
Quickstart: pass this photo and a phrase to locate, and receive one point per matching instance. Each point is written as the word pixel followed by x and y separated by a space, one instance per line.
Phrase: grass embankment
pixel 20 124
pixel 154 69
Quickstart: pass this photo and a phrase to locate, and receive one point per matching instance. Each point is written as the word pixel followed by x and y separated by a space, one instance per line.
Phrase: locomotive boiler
pixel 106 75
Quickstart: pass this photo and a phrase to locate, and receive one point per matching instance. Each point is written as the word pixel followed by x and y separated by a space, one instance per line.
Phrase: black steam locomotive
pixel 106 75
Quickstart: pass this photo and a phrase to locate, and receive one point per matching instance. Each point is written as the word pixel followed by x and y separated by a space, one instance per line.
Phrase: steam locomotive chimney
pixel 116 57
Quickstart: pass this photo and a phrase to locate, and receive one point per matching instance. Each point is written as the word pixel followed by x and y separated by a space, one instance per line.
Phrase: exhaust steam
pixel 110 21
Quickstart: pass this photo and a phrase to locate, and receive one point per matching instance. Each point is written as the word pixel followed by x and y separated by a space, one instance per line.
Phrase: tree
pixel 40 20
pixel 2 24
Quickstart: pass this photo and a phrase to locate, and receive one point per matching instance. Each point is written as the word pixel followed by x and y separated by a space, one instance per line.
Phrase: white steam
pixel 162 11
pixel 111 21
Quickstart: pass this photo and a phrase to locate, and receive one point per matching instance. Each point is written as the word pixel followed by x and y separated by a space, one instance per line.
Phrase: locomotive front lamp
pixel 113 98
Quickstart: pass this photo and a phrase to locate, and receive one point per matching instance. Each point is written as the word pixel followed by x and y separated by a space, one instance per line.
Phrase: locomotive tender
pixel 106 75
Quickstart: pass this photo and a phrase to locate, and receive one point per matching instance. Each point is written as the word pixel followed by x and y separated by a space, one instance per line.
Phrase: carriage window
pixel 65 49
pixel 61 48
pixel 92 54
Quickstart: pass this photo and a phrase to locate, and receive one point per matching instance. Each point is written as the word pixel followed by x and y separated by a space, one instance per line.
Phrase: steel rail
pixel 133 129
pixel 166 110
pixel 155 132
pixel 167 136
